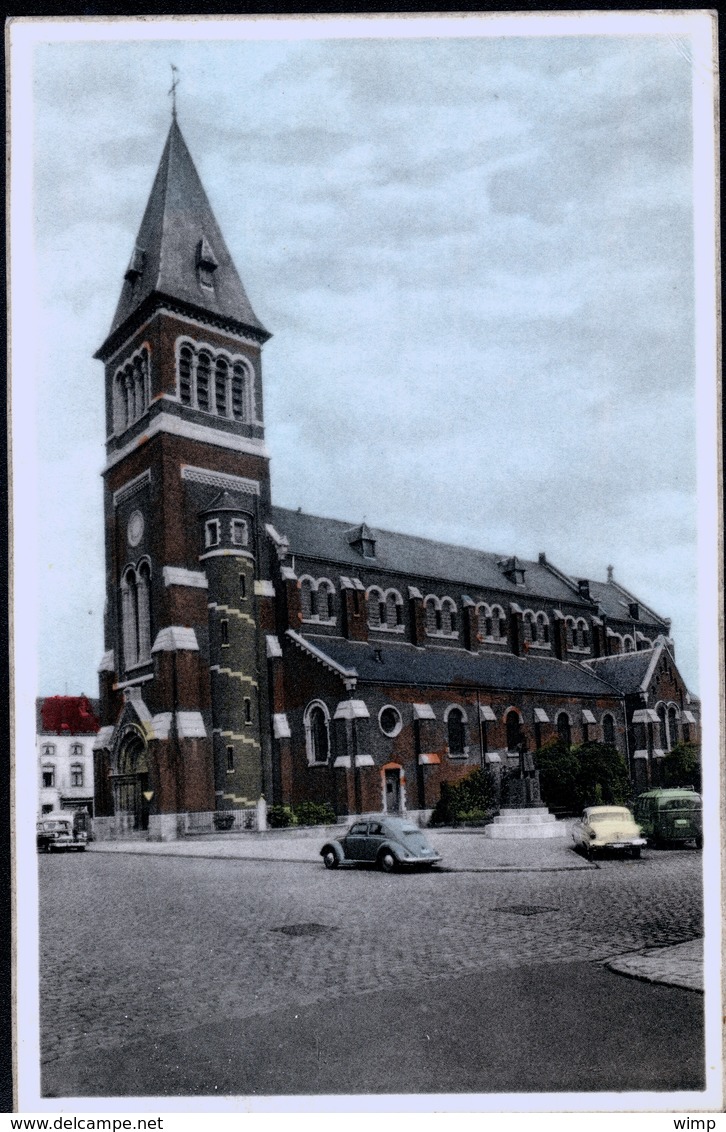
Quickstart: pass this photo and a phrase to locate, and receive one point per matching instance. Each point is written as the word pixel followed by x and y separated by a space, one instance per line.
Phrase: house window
pixel 48 776
pixel 76 774
pixel 211 533
pixel 389 721
pixel 224 631
pixel 514 730
pixel 248 710
pixel 76 750
pixel 608 730
pixel 563 728
pixel 317 738
pixel 239 532
pixel 48 750
pixel 243 586
pixel 230 759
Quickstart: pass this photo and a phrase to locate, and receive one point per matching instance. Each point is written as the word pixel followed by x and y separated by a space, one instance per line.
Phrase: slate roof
pixel 404 664
pixel 178 221
pixel 614 600
pixel 626 671
pixel 312 536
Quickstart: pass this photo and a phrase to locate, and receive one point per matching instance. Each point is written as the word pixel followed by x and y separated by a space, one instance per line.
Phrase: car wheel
pixel 387 861
pixel 330 859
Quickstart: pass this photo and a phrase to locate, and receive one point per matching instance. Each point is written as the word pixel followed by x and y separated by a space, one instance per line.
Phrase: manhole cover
pixel 526 909
pixel 304 929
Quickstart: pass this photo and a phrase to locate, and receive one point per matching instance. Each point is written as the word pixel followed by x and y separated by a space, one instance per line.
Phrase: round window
pixel 389 721
pixel 135 528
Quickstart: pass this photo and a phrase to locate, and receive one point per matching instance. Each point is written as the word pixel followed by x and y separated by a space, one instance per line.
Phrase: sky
pixel 476 258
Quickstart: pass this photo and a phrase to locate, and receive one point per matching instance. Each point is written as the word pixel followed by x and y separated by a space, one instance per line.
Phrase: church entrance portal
pixel 393 791
pixel 131 785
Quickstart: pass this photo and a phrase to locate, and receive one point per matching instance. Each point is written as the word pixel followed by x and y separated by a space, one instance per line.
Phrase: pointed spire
pixel 180 252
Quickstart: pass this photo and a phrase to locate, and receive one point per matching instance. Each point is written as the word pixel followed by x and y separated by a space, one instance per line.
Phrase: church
pixel 253 651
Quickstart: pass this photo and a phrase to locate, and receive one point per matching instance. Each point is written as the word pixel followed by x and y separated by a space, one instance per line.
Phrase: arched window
pixel 499 623
pixel 530 628
pixel 306 598
pixel 583 635
pixel 570 628
pixel 204 373
pixel 185 375
pixel 608 730
pixel 543 628
pixel 375 600
pixel 455 731
pixel 239 384
pixel 672 727
pixel 221 379
pixel 662 727
pixel 431 618
pixel 325 600
pixel 393 609
pixel 76 774
pixel 135 615
pixel 448 616
pixel 317 738
pixel 563 728
pixel 514 730
pixel 483 622
pixel 628 645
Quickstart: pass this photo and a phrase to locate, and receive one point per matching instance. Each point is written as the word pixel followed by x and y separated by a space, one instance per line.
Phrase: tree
pixel 558 773
pixel 603 775
pixel 682 766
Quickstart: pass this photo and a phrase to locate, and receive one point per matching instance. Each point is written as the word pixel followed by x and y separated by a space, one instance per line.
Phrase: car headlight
pixel 591 833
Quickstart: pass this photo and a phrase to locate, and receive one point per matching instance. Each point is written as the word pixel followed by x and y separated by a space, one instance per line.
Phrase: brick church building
pixel 256 651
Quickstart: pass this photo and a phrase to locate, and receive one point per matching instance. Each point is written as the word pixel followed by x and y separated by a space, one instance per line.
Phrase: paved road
pixel 139 953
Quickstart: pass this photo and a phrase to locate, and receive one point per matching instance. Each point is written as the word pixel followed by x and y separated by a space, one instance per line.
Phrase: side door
pixel 355 841
pixel 374 840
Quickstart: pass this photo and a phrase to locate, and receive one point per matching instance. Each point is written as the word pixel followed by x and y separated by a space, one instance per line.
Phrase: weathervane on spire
pixel 172 89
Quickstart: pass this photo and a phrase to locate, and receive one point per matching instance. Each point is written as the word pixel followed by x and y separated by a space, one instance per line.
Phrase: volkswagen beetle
pixel 388 842
pixel 607 827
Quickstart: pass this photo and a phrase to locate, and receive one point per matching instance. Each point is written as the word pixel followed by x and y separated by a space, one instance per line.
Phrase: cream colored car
pixel 608 827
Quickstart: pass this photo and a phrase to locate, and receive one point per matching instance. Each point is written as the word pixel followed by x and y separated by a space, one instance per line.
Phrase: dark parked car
pixel 387 842
pixel 59 831
pixel 670 816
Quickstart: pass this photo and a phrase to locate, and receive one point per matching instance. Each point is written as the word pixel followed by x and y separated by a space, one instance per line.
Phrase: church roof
pixel 311 536
pixel 393 663
pixel 625 671
pixel 179 242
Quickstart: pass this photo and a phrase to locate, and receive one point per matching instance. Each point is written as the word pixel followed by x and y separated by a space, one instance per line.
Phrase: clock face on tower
pixel 135 528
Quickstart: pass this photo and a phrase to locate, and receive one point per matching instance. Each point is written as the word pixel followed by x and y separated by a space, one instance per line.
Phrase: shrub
pixel 279 817
pixel 682 766
pixel 223 820
pixel 474 794
pixel 315 813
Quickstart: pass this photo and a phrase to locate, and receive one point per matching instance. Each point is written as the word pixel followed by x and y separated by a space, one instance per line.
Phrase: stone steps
pixel 526 823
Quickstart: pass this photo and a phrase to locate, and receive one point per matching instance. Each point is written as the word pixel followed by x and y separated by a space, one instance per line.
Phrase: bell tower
pixel 186 497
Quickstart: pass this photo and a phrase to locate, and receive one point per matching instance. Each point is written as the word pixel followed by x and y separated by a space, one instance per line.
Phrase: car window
pixel 611 815
pixel 375 828
pixel 359 827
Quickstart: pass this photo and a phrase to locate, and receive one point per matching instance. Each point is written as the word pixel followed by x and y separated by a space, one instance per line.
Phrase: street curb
pixel 298 861
pixel 647 966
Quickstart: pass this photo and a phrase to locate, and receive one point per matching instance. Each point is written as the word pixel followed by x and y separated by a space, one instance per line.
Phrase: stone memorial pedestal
pixel 518 823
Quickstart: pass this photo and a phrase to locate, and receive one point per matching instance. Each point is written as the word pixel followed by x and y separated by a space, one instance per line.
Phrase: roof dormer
pixel 513 570
pixel 363 541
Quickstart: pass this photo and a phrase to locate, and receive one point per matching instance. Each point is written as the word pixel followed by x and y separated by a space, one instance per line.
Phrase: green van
pixel 669 816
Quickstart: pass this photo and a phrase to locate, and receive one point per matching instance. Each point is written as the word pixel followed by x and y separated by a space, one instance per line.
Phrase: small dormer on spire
pixel 206 263
pixel 363 540
pixel 136 265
